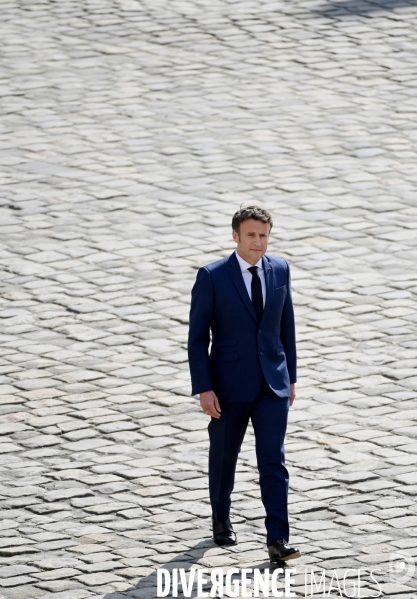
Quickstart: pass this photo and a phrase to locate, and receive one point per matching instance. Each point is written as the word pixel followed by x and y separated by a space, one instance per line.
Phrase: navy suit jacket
pixel 242 349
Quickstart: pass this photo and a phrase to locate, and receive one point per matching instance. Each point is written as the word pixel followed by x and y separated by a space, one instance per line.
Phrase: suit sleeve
pixel 202 303
pixel 288 331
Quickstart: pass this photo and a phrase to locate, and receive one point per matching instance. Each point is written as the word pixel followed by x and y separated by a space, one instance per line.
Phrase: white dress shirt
pixel 247 276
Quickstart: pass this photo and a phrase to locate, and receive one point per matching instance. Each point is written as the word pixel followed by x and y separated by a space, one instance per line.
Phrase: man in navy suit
pixel 244 302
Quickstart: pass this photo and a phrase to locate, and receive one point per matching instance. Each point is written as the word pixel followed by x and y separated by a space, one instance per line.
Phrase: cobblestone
pixel 129 134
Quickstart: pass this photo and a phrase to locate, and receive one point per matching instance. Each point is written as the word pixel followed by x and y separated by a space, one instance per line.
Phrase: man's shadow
pixel 347 8
pixel 146 587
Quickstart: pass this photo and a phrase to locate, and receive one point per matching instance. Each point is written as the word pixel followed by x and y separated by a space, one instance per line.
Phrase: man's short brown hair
pixel 255 212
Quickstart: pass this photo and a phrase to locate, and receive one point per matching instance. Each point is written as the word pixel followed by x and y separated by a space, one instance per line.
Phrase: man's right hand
pixel 210 404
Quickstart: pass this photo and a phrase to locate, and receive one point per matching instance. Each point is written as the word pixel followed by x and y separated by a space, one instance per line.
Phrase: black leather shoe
pixel 223 533
pixel 280 551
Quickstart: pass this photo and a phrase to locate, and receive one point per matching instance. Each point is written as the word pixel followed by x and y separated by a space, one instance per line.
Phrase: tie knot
pixel 254 271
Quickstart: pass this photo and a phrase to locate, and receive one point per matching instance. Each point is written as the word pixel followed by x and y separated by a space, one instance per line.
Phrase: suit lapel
pixel 269 280
pixel 239 283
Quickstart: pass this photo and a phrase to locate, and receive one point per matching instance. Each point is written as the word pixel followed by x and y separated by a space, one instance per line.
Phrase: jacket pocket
pixel 279 351
pixel 223 357
pixel 280 289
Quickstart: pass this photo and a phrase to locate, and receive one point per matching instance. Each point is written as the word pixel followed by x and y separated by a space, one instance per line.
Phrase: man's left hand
pixel 292 393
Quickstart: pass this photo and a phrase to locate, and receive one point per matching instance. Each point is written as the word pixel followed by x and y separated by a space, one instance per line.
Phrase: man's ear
pixel 235 236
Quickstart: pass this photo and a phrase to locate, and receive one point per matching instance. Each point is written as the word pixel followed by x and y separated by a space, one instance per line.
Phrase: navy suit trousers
pixel 269 414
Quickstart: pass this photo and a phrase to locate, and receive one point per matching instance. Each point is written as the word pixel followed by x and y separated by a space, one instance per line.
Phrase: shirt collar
pixel 245 265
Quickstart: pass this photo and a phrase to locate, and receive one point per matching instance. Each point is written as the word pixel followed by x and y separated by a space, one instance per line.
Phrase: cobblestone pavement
pixel 130 133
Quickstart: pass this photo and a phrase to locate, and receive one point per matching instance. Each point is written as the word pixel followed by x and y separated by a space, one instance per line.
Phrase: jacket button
pixel 260 331
pixel 261 353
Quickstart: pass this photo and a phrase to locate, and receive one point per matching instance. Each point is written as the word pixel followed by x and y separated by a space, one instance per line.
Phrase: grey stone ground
pixel 130 132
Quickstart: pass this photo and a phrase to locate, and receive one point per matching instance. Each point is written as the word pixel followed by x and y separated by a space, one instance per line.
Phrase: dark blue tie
pixel 256 287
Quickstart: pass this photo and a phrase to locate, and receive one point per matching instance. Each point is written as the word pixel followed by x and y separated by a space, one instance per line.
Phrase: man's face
pixel 252 240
